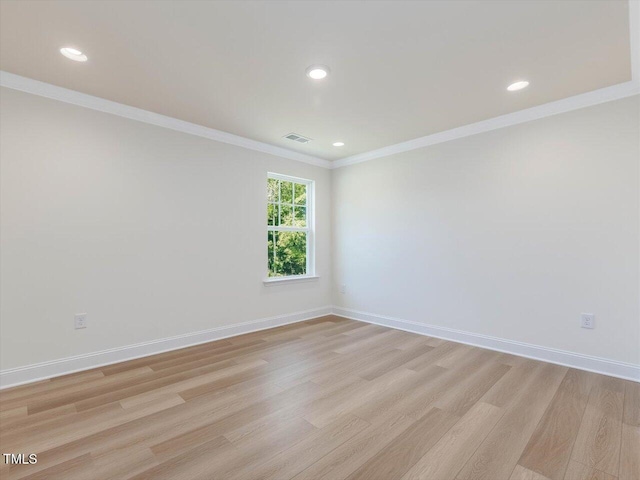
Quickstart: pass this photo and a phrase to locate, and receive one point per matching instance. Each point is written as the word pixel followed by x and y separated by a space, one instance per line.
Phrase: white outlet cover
pixel 587 320
pixel 80 320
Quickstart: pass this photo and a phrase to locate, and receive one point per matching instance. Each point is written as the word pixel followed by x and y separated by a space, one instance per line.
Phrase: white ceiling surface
pixel 400 69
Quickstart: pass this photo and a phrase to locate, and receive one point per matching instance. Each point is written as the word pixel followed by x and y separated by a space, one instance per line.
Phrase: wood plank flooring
pixel 331 399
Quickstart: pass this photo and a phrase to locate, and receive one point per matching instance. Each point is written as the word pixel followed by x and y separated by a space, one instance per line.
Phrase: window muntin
pixel 289 222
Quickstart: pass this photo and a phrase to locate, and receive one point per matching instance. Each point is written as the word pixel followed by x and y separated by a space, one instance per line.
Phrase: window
pixel 289 226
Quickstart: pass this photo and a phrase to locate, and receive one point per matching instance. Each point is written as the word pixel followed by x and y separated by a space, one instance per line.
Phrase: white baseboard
pixel 31 373
pixel 628 371
pixel 40 371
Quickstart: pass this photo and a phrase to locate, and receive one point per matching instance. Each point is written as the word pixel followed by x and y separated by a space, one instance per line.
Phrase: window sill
pixel 271 281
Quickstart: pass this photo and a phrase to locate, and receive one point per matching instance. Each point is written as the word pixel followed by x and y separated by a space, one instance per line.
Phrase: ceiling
pixel 399 69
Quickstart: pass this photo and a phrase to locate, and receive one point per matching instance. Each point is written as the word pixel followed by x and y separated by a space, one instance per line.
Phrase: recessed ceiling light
pixel 518 85
pixel 73 54
pixel 317 72
pixel 338 144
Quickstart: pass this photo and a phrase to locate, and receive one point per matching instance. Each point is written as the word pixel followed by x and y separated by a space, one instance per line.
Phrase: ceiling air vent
pixel 297 138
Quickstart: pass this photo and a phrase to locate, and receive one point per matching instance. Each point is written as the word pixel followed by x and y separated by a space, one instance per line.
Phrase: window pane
pixel 289 257
pixel 300 194
pixel 286 192
pixel 286 215
pixel 272 214
pixel 272 190
pixel 300 217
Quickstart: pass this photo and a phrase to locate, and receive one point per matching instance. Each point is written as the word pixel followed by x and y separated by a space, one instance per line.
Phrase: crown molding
pixel 568 104
pixel 24 84
pixel 603 95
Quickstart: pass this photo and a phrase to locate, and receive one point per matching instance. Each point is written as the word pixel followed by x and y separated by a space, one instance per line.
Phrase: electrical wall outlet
pixel 343 289
pixel 80 320
pixel 587 320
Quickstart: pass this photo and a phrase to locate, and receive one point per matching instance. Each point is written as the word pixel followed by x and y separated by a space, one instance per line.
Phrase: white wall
pixel 152 232
pixel 511 233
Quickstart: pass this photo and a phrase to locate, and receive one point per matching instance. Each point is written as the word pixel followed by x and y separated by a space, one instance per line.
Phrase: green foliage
pixel 300 194
pixel 286 215
pixel 272 214
pixel 287 253
pixel 300 217
pixel 286 192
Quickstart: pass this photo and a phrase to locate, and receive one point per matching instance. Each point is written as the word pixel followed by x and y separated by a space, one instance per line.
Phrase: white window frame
pixel 309 230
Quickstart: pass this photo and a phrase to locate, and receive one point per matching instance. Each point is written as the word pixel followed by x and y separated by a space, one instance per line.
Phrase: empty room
pixel 320 240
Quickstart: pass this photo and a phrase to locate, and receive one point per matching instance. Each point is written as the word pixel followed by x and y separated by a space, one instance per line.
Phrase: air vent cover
pixel 297 138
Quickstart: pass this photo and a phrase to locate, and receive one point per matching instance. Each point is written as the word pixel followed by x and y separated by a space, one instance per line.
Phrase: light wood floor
pixel 326 399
